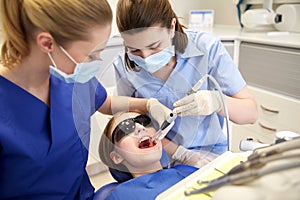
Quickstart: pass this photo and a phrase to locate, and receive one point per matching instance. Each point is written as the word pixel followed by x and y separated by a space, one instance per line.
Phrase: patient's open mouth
pixel 146 142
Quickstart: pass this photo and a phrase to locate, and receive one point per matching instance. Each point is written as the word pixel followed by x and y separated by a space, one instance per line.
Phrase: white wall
pixel 113 4
pixel 225 10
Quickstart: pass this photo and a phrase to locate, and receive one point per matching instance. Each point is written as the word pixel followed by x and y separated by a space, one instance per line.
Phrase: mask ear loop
pixel 67 54
pixel 52 60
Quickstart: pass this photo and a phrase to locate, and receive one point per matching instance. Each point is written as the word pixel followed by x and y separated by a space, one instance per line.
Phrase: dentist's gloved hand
pixel 203 102
pixel 159 112
pixel 193 158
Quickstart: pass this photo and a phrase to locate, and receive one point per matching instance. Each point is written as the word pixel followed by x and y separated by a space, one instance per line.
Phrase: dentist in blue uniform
pixel 48 92
pixel 164 60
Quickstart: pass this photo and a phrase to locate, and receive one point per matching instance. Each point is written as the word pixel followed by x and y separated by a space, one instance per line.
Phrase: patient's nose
pixel 140 129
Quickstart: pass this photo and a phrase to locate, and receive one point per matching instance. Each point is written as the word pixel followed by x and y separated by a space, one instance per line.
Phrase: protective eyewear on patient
pixel 128 126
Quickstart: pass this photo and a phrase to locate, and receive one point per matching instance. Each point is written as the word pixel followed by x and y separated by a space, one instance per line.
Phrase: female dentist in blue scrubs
pixel 48 92
pixel 163 60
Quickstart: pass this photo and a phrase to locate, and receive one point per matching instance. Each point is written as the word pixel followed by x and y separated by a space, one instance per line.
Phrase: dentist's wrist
pixel 169 146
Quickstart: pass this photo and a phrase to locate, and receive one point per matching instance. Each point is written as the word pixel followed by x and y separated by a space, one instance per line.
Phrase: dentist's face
pixel 147 41
pixel 136 147
pixel 83 50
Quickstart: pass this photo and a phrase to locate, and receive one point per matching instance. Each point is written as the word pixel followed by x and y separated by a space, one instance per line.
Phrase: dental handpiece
pixel 160 134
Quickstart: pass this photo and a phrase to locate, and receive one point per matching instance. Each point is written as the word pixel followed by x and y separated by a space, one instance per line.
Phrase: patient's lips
pixel 146 142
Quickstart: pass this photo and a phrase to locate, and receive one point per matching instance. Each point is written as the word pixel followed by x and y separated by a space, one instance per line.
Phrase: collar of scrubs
pixel 191 49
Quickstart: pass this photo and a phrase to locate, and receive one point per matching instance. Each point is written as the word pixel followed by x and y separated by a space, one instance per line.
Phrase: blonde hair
pixel 65 20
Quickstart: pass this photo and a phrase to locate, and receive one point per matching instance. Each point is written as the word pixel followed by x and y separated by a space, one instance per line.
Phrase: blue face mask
pixel 83 72
pixel 155 61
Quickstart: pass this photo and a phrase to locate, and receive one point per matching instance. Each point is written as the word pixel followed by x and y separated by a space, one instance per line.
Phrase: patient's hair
pixel 106 146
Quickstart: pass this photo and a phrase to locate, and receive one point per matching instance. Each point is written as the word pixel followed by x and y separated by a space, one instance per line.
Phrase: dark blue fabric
pixel 150 185
pixel 121 176
pixel 104 191
pixel 41 153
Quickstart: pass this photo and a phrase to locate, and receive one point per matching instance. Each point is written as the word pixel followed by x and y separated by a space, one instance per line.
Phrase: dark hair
pixel 139 14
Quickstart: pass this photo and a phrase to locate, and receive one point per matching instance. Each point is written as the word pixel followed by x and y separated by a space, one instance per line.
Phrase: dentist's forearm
pixel 169 146
pixel 241 111
pixel 115 104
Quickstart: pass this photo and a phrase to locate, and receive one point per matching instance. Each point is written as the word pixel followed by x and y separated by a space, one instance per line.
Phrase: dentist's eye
pixel 155 47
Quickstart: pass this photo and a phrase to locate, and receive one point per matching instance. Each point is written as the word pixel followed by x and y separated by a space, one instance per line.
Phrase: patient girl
pixel 127 145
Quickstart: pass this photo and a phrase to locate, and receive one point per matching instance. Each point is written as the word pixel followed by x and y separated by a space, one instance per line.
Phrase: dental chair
pixel 121 177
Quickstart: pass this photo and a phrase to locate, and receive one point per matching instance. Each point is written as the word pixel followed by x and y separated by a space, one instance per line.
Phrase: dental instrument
pixel 243 177
pixel 255 166
pixel 160 134
pixel 198 85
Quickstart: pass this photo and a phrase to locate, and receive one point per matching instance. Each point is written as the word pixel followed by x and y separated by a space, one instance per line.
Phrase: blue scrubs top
pixel 204 54
pixel 150 185
pixel 42 154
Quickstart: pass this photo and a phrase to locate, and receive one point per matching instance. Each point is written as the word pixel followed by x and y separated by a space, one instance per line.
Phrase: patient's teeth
pixel 146 142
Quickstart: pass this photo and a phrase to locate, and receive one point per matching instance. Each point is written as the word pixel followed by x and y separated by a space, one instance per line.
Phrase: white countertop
pixel 231 33
pixel 286 39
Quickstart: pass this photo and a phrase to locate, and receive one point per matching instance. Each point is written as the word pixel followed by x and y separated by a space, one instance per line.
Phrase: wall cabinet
pixel 229 45
pixel 273 76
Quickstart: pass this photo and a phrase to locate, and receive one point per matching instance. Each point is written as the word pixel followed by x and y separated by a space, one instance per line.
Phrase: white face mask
pixel 83 72
pixel 155 61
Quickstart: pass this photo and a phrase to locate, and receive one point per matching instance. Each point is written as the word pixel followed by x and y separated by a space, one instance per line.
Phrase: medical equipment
pixel 287 135
pixel 249 144
pixel 290 18
pixel 257 18
pixel 197 86
pixel 276 149
pixel 257 165
pixel 284 18
pixel 160 134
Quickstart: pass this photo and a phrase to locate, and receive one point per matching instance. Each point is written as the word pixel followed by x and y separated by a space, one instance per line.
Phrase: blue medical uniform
pixel 204 54
pixel 150 185
pixel 43 149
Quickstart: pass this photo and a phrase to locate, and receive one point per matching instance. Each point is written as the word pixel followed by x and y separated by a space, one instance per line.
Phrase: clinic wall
pixel 225 10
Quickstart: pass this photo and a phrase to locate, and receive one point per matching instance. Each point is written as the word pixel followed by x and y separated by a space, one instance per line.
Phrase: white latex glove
pixel 159 112
pixel 203 102
pixel 193 158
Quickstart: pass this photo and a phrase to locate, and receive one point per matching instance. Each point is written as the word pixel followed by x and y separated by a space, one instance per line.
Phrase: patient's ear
pixel 116 157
